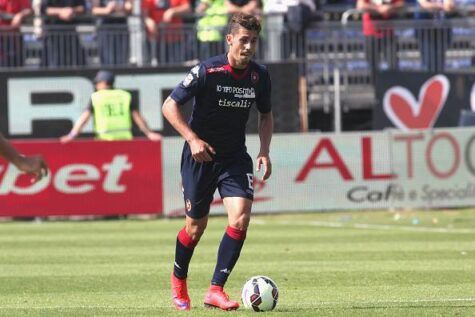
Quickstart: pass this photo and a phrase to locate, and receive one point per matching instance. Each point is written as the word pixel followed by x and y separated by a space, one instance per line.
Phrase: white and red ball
pixel 260 293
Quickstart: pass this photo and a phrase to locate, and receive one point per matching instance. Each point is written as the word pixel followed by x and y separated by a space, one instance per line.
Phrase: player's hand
pixel 34 165
pixel 264 160
pixel 201 151
pixel 153 136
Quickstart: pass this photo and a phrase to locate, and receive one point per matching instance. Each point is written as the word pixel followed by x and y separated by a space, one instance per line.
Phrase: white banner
pixel 315 172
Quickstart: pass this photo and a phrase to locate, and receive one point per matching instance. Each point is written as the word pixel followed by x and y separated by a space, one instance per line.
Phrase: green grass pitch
pixel 417 263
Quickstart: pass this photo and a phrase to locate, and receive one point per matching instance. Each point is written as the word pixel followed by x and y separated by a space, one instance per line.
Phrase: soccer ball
pixel 260 293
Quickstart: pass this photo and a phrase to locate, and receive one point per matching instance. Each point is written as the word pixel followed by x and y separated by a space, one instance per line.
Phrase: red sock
pixel 185 246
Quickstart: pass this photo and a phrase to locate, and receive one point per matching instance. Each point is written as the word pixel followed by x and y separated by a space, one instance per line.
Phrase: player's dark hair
pixel 247 21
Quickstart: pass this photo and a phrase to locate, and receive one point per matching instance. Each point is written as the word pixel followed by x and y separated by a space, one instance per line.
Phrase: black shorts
pixel 231 176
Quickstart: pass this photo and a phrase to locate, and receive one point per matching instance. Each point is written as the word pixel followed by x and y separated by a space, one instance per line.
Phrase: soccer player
pixel 34 165
pixel 214 155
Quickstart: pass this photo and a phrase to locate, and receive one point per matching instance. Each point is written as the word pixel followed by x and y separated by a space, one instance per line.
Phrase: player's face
pixel 242 46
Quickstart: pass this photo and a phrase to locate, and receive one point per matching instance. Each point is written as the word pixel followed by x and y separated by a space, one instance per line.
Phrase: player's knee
pixel 242 222
pixel 195 231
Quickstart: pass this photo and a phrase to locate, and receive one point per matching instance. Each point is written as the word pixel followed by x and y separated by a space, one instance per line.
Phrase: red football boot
pixel 180 293
pixel 217 298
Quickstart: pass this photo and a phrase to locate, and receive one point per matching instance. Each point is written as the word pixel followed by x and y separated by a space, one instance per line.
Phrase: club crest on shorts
pixel 188 205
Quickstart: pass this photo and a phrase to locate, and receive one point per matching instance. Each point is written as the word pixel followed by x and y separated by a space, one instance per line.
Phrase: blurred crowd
pixel 180 30
pixel 56 21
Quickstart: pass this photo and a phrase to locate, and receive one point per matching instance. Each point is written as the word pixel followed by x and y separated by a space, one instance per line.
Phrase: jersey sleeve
pixel 190 86
pixel 263 99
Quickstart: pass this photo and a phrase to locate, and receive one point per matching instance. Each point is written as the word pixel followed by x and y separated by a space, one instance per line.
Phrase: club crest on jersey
pixel 192 76
pixel 254 77
pixel 188 205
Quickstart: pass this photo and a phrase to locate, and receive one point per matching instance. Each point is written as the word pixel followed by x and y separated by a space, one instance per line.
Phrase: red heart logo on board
pixel 407 113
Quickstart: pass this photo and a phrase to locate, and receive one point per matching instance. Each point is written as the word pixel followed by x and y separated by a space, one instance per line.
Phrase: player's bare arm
pixel 200 150
pixel 266 127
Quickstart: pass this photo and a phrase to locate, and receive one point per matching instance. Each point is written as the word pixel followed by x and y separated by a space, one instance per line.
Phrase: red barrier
pixel 86 178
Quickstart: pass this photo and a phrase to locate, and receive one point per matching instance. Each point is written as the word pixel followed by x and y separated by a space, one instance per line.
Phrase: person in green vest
pixel 210 28
pixel 113 112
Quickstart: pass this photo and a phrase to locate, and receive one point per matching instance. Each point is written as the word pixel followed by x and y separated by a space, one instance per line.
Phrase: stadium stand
pixel 339 44
pixel 331 43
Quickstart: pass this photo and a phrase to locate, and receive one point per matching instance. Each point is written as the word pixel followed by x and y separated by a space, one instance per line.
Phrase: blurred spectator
pixel 380 42
pixel 211 27
pixel 12 15
pixel 112 30
pixel 113 110
pixel 276 6
pixel 251 7
pixel 434 38
pixel 88 6
pixel 37 6
pixel 164 27
pixel 62 43
pixel 300 14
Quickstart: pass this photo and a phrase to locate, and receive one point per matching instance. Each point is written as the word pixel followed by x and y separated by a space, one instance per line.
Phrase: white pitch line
pixel 330 224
